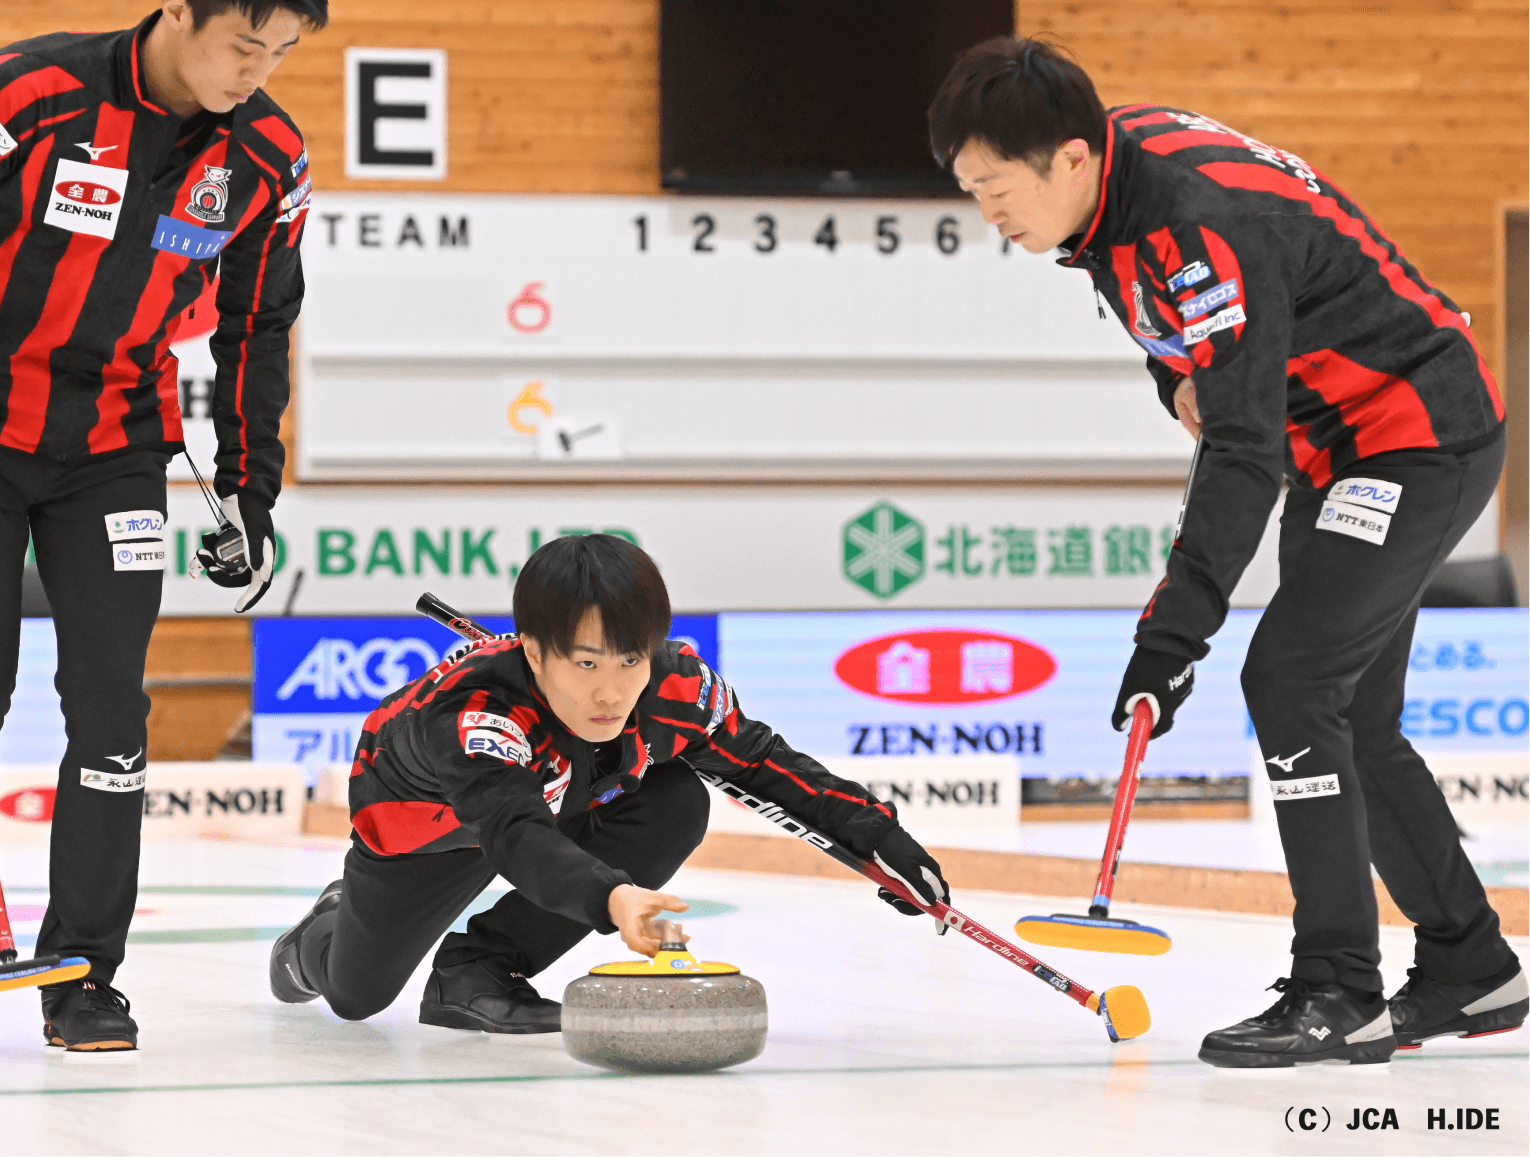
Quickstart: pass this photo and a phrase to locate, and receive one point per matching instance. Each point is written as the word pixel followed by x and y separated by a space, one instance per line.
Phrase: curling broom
pixel 1097 932
pixel 40 969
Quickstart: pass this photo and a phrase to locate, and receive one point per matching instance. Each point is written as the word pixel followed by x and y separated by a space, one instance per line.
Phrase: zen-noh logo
pixel 945 666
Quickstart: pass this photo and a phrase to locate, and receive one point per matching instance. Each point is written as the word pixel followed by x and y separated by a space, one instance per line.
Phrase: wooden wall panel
pixel 1416 108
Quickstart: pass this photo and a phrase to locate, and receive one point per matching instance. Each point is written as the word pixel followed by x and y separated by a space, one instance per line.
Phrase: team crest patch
pixel 209 196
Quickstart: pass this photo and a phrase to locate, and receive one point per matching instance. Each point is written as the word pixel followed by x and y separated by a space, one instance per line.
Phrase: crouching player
pixel 560 759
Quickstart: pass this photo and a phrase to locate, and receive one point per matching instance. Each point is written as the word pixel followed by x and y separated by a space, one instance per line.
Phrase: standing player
pixel 1292 337
pixel 135 167
pixel 560 759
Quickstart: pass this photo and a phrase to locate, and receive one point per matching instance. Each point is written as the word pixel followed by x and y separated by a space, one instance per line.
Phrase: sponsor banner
pixel 942 796
pixel 1483 790
pixel 317 679
pixel 374 550
pixel 84 198
pixel 1039 685
pixel 180 800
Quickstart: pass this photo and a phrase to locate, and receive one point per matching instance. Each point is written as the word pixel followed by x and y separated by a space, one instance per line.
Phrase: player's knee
pixel 356 1005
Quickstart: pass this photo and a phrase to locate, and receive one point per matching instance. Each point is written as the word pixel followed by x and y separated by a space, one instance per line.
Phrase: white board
pixel 710 337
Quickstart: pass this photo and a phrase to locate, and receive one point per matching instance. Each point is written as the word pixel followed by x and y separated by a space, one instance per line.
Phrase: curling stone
pixel 671 1014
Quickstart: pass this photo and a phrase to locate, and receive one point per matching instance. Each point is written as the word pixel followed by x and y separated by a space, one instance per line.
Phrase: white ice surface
pixel 884 1040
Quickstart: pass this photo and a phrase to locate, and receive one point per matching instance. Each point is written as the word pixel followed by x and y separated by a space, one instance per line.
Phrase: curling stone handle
pixel 671 936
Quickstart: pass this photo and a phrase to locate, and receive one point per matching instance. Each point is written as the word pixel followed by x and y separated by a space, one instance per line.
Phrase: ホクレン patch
pixel 136 539
pixel 1374 493
pixel 1361 508
pixel 86 198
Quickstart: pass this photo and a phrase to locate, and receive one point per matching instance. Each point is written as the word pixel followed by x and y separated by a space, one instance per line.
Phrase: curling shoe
pixel 288 984
pixel 469 996
pixel 88 1016
pixel 1310 1024
pixel 1423 1009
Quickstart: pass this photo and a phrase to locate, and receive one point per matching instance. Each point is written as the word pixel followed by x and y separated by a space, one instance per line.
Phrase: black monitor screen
pixel 810 96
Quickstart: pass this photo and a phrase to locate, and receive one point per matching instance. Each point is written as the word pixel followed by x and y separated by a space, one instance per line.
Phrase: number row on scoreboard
pixel 887 232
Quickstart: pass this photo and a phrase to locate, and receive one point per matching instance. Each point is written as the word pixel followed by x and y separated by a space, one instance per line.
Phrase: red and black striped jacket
pixel 471 755
pixel 1312 341
pixel 115 215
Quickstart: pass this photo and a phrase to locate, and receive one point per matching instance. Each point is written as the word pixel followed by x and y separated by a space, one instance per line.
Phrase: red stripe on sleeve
pixel 774 766
pixel 1166 143
pixel 1311 460
pixel 25 91
pixel 1265 179
pixel 275 130
pixel 842 795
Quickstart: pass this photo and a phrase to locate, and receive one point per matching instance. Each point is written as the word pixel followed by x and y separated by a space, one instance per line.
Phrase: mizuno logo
pixel 1288 765
pixel 1322 1033
pixel 127 761
pixel 95 153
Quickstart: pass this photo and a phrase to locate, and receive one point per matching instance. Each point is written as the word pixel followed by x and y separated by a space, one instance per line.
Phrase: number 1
pixel 641 221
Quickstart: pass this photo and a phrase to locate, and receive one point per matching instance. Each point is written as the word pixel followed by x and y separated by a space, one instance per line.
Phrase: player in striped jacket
pixel 560 759
pixel 1291 336
pixel 136 168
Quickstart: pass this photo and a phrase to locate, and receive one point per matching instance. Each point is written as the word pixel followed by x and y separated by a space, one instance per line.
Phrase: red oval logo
pixel 87 193
pixel 33 805
pixel 945 666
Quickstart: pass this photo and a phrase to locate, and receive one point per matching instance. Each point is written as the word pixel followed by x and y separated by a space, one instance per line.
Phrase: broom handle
pixel 7 941
pixel 1121 814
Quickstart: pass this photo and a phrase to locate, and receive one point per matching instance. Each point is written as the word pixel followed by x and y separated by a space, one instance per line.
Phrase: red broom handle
pixel 1126 794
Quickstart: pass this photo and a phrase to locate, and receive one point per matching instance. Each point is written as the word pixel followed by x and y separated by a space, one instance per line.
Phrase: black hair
pixel 313 13
pixel 562 580
pixel 1021 97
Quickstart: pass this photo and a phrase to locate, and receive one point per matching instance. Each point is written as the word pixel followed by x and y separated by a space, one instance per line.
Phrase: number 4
pixel 826 235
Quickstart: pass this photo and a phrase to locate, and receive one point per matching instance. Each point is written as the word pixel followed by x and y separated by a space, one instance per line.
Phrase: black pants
pixel 393 908
pixel 103 618
pixel 1324 685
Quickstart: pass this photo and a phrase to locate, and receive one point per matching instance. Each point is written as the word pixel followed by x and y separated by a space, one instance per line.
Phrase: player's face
pixel 1037 212
pixel 591 690
pixel 222 63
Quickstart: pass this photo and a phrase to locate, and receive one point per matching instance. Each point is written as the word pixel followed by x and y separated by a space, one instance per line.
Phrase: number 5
pixel 887 235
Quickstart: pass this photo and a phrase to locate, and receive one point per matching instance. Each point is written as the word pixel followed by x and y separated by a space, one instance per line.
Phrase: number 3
pixel 766 241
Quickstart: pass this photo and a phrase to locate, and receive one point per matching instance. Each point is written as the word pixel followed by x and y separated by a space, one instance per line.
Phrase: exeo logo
pixel 945 666
pixel 87 193
pixel 33 805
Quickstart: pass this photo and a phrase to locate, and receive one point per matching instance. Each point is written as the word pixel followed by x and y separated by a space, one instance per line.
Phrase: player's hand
pixel 632 910
pixel 249 560
pixel 1184 405
pixel 1163 680
pixel 900 855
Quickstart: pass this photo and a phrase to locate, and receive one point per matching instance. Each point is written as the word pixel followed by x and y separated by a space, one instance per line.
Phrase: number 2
pixel 705 226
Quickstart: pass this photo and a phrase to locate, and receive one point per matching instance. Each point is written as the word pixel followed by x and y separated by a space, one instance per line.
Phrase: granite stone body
pixel 664 1024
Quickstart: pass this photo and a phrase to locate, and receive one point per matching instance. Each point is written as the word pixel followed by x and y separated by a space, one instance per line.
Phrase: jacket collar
pixel 1122 216
pixel 133 87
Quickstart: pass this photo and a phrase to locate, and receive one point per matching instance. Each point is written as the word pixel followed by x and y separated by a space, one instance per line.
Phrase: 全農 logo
pixel 30 805
pixel 945 665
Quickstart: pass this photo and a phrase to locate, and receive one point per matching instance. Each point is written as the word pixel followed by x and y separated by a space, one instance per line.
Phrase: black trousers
pixel 393 908
pixel 1324 685
pixel 103 618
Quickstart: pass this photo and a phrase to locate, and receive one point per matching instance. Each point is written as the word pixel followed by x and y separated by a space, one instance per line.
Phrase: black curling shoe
pixel 1423 1009
pixel 469 996
pixel 88 1016
pixel 1310 1024
pixel 288 984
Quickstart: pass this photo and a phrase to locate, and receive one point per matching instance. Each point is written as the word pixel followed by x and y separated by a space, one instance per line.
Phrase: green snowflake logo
pixel 884 550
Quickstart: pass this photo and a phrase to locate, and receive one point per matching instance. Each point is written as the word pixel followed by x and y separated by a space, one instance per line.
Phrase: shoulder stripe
pixel 27 90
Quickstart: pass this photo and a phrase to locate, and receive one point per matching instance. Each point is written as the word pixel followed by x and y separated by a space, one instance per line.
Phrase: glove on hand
pixel 251 566
pixel 900 855
pixel 1163 680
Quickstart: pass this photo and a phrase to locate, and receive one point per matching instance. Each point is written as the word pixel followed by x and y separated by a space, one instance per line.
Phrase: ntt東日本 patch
pixel 86 198
pixel 1355 521
pixel 137 539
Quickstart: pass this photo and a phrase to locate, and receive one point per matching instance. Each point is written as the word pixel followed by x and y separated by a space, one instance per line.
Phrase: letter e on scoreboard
pixel 395 113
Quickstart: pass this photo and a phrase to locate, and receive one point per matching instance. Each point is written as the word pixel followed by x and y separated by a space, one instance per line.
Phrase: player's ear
pixel 533 651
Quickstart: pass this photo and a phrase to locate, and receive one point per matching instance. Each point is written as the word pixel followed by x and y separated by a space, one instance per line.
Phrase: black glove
pixel 1163 680
pixel 900 855
pixel 245 557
